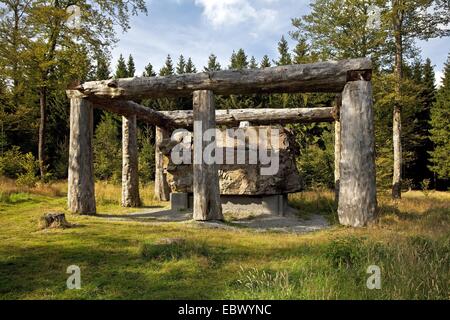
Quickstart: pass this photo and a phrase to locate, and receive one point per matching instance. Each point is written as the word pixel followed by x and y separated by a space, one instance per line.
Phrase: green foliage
pixel 30 167
pixel 345 252
pixel 17 165
pixel 283 51
pixel 107 150
pixel 149 72
pixel 265 62
pixel 440 131
pixel 238 60
pixel 316 160
pixel 262 284
pixel 146 154
pixel 167 70
pixel 181 66
pixel 131 68
pixel 190 67
pixel 121 69
pixel 213 64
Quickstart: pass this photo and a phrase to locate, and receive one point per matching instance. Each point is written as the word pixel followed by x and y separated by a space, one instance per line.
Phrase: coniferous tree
pixel 213 65
pixel 239 60
pixel 102 71
pixel 148 71
pixel 265 62
pixel 422 122
pixel 190 67
pixel 440 128
pixel 167 70
pixel 283 50
pixel 131 68
pixel 121 69
pixel 253 64
pixel 181 66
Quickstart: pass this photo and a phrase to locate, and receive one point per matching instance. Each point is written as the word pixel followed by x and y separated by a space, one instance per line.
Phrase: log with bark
pixel 329 76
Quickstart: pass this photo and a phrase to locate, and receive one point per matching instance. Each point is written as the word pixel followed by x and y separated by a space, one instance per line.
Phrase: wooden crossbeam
pixel 329 76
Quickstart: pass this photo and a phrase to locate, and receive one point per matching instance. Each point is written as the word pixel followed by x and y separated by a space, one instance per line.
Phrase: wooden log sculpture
pixel 207 205
pixel 81 188
pixel 357 187
pixel 130 172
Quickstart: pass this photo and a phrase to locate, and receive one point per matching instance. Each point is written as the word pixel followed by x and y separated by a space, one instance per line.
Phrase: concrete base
pixel 269 204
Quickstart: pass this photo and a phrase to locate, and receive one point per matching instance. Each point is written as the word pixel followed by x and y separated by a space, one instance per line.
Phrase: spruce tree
pixel 253 64
pixel 239 60
pixel 190 67
pixel 440 131
pixel 283 50
pixel 102 71
pixel 213 65
pixel 131 68
pixel 167 70
pixel 148 71
pixel 265 62
pixel 121 69
pixel 181 66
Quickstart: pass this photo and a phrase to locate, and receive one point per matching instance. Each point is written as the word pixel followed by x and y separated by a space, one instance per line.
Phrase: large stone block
pixel 246 178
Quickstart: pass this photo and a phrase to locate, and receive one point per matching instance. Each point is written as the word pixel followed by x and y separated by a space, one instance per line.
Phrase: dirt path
pixel 261 223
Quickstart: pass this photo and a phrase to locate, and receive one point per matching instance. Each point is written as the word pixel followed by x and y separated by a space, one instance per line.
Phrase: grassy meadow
pixel 410 242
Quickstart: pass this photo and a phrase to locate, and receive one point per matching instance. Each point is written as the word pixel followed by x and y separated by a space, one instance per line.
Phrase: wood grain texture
pixel 162 189
pixel 207 204
pixel 329 76
pixel 81 188
pixel 130 171
pixel 357 190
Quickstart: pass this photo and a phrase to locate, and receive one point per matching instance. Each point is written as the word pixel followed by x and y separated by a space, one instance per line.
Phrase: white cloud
pixel 232 12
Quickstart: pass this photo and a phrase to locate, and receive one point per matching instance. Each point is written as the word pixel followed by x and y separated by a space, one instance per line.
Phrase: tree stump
pixel 54 220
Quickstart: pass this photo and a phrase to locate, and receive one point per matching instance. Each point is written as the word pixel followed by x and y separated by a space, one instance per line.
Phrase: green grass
pixel 126 260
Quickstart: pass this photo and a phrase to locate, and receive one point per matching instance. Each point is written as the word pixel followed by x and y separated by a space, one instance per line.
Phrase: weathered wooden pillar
pixel 357 190
pixel 337 146
pixel 81 186
pixel 207 204
pixel 162 189
pixel 130 171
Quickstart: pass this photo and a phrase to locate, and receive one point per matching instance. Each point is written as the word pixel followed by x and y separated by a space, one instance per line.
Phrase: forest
pixel 40 60
pixel 154 251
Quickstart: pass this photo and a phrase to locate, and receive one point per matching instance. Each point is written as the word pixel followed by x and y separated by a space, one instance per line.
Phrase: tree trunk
pixel 337 148
pixel 329 76
pixel 162 189
pixel 42 129
pixel 81 188
pixel 357 190
pixel 130 173
pixel 397 113
pixel 207 204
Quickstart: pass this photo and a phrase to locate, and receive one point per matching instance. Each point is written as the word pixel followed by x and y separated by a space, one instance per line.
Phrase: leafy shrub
pixel 30 166
pixel 10 163
pixel 23 167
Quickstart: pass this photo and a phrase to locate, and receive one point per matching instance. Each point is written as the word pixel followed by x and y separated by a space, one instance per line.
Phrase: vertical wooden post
pixel 81 187
pixel 130 173
pixel 337 146
pixel 357 190
pixel 162 189
pixel 207 204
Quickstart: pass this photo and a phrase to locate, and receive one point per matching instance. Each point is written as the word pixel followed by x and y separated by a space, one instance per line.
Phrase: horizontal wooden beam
pixel 329 76
pixel 232 117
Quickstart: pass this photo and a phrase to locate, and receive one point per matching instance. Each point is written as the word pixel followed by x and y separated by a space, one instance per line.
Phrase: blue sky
pixel 196 28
